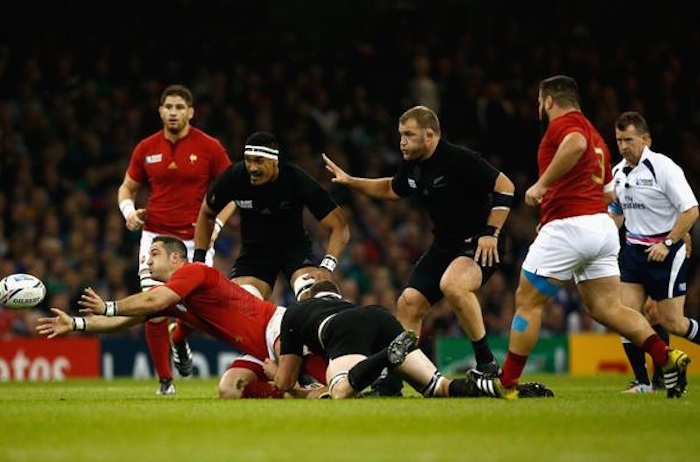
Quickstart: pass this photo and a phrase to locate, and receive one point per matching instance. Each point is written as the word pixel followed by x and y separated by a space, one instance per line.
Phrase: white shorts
pixel 145 248
pixel 272 333
pixel 584 247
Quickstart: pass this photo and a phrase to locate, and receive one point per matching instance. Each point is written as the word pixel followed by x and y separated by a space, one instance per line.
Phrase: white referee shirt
pixel 651 196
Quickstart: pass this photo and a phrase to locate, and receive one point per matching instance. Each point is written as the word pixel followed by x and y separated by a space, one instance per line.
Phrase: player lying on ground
pixel 359 342
pixel 204 298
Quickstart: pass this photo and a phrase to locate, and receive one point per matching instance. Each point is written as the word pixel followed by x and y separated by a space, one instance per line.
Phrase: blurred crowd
pixel 73 105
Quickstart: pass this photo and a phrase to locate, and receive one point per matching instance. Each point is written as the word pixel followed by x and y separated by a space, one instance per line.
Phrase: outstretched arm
pixel 141 304
pixel 63 323
pixel 379 188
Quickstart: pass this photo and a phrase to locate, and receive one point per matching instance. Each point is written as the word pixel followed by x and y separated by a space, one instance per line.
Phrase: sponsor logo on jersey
pixel 412 183
pixel 245 204
pixel 645 182
pixel 193 158
pixel 154 158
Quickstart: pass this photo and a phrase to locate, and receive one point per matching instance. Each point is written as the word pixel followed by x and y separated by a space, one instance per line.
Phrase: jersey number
pixel 601 164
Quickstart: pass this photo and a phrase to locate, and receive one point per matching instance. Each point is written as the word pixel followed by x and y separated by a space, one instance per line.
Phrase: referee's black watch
pixel 668 242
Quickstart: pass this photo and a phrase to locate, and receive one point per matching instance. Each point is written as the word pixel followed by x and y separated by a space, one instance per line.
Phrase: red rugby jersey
pixel 178 175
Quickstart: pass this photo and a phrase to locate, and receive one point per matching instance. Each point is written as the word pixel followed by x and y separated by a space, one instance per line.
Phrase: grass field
pixel 123 420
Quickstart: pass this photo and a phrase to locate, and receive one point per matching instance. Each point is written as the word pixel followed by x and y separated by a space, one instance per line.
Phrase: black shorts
pixel 364 330
pixel 661 280
pixel 427 272
pixel 267 263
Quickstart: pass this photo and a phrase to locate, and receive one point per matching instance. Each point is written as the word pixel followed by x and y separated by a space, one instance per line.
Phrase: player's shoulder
pixel 154 139
pixel 194 267
pixel 201 136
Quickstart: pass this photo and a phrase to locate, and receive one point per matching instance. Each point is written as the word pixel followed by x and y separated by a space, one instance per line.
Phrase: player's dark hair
pixel 325 285
pixel 172 245
pixel 632 118
pixel 424 116
pixel 562 89
pixel 262 139
pixel 178 90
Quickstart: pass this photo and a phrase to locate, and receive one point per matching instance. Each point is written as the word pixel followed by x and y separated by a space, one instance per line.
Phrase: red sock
pixel 315 366
pixel 262 390
pixel 512 369
pixel 181 331
pixel 657 349
pixel 158 341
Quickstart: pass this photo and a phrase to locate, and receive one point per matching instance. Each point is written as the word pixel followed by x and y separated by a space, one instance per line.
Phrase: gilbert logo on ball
pixel 20 291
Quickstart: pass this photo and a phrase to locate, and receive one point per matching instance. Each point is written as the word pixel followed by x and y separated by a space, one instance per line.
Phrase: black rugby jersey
pixel 272 213
pixel 455 185
pixel 301 322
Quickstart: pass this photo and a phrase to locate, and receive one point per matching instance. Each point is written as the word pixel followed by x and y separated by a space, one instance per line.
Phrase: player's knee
pixel 411 304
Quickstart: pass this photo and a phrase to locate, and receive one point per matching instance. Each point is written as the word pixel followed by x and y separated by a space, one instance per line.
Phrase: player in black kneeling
pixel 359 342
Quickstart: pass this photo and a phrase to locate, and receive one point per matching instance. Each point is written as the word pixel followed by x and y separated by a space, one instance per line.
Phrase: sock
pixel 158 341
pixel 637 360
pixel 663 333
pixel 655 346
pixel 181 331
pixel 362 374
pixel 460 387
pixel 692 333
pixel 482 351
pixel 512 369
pixel 315 366
pixel 262 390
pixel 389 384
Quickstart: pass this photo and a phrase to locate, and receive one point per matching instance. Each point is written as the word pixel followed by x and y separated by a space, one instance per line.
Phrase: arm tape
pixel 502 200
pixel 111 308
pixel 218 225
pixel 329 262
pixel 79 324
pixel 126 206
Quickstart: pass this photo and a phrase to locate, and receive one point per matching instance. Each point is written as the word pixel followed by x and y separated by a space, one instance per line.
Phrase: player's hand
pixel 657 252
pixel 534 194
pixel 339 175
pixel 136 220
pixel 486 253
pixel 270 368
pixel 91 302
pixel 53 327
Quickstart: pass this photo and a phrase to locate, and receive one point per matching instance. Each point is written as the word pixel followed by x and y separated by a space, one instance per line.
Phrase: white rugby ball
pixel 20 291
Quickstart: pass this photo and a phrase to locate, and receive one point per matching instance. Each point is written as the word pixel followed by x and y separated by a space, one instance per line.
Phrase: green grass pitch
pixel 122 420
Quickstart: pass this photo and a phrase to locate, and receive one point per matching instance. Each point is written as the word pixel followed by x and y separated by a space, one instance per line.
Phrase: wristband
pixel 110 308
pixel 491 231
pixel 79 324
pixel 127 206
pixel 218 225
pixel 329 262
pixel 199 255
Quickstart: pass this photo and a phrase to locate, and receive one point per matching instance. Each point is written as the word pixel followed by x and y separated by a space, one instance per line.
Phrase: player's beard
pixel 175 129
pixel 544 122
pixel 417 152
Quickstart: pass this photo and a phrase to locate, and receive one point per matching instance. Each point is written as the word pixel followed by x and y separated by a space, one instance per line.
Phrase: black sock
pixel 663 333
pixel 390 384
pixel 460 387
pixel 692 333
pixel 482 351
pixel 635 355
pixel 362 374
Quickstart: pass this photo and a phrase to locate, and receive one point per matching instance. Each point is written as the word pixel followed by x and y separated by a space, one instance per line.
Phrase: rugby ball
pixel 20 291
